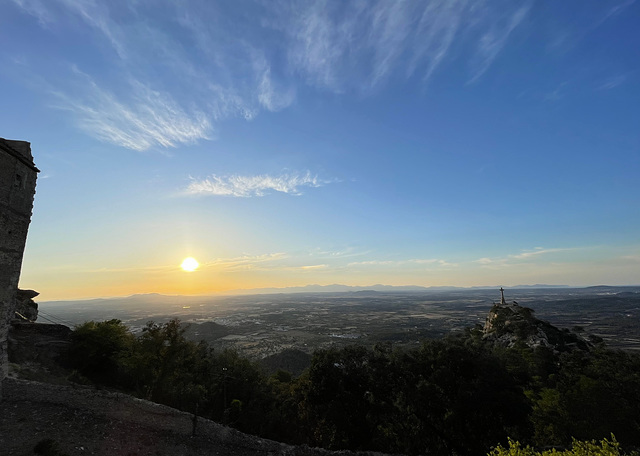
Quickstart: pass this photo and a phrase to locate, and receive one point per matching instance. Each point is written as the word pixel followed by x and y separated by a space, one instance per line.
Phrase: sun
pixel 190 264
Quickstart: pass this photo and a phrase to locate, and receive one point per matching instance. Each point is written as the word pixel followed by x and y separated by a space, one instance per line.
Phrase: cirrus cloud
pixel 148 118
pixel 249 186
pixel 201 62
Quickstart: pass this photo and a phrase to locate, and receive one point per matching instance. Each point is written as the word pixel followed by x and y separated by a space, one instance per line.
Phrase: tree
pixel 592 395
pixel 98 348
pixel 168 368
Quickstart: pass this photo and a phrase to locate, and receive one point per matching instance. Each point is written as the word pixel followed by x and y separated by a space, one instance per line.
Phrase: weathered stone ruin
pixel 17 189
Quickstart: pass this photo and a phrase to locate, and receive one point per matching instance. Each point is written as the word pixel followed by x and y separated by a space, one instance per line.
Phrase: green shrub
pixel 579 448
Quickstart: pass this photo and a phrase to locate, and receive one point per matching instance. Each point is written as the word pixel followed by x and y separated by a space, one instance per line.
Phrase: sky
pixel 287 143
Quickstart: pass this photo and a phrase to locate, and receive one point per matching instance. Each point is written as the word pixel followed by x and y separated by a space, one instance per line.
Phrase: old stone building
pixel 17 189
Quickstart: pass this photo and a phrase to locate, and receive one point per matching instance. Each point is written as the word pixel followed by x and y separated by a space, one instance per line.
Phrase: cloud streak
pixel 251 186
pixel 36 9
pixel 494 39
pixel 420 262
pixel 314 267
pixel 613 82
pixel 330 42
pixel 149 119
pixel 537 252
pixel 616 9
pixel 246 262
pixel 518 258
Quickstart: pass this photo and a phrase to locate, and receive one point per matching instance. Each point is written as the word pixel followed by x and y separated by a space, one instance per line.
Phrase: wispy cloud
pixel 374 263
pixel 268 95
pixel 248 186
pixel 616 9
pixel 517 258
pixel 613 82
pixel 347 252
pixel 484 261
pixel 97 15
pixel 314 267
pixel 537 252
pixel 36 9
pixel 556 94
pixel 197 63
pixel 422 262
pixel 246 262
pixel 495 38
pixel 149 118
pixel 266 262
pixel 332 41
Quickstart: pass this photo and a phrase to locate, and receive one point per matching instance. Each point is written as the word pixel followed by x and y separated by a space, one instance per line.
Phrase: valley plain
pixel 262 325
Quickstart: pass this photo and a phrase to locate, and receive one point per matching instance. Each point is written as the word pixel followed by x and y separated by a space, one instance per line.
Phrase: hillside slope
pixel 86 421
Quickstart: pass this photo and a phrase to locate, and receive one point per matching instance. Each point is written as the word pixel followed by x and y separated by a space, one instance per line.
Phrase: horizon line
pixel 301 289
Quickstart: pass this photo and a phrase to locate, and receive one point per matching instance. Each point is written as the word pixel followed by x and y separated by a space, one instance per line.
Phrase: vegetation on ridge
pixel 458 395
pixel 578 448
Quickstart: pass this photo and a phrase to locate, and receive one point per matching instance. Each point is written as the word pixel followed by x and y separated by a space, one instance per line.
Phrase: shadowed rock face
pixel 38 345
pixel 17 189
pixel 511 325
pixel 26 309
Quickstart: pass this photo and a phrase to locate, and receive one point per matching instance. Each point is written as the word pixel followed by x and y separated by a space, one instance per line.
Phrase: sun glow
pixel 190 264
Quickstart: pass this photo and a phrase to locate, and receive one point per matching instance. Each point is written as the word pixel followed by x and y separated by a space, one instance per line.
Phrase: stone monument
pixel 17 189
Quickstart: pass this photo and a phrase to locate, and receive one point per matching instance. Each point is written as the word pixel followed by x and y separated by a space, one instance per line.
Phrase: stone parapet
pixel 17 189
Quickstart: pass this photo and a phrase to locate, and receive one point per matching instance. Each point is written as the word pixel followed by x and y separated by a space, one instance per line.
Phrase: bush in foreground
pixel 579 448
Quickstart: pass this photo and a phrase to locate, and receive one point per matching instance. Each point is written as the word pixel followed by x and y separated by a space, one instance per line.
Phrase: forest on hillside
pixel 456 395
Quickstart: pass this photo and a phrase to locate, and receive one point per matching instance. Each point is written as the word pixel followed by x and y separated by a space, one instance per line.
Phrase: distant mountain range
pixel 156 298
pixel 338 288
pixel 335 288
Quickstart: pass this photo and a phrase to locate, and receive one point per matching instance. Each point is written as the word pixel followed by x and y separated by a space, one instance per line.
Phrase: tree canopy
pixel 458 395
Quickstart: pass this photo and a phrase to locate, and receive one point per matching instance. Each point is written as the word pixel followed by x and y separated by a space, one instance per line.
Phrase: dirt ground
pixel 86 421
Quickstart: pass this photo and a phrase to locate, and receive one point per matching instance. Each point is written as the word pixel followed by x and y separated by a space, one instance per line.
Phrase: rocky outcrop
pixel 511 325
pixel 26 308
pixel 38 345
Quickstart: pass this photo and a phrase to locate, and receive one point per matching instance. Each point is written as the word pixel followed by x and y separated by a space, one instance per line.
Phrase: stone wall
pixel 17 189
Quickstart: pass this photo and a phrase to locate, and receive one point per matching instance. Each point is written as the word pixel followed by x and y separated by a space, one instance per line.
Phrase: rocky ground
pixel 86 421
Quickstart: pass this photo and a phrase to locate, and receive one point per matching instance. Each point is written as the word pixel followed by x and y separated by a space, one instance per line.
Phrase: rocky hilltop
pixel 512 325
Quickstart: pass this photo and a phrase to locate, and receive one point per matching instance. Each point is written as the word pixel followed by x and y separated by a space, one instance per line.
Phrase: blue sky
pixel 285 143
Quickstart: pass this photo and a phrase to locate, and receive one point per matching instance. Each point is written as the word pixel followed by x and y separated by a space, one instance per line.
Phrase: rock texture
pixel 35 349
pixel 17 189
pixel 26 309
pixel 511 325
pixel 85 421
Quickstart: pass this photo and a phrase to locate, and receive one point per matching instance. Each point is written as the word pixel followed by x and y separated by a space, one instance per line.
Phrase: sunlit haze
pixel 284 144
